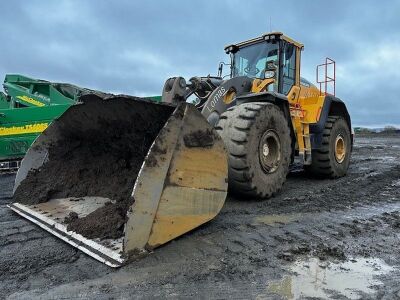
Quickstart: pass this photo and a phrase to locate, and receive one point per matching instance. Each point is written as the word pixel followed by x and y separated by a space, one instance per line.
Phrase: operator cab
pixel 271 56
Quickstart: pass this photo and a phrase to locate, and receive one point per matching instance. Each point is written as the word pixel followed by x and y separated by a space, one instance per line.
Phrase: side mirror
pixel 220 68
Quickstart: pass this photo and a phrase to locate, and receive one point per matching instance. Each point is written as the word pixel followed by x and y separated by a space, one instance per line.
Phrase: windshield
pixel 252 60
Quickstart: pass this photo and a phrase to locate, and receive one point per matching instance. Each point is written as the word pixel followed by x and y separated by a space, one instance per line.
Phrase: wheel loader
pixel 117 176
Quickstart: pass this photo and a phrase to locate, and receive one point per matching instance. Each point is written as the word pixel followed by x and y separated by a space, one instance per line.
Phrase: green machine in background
pixel 27 107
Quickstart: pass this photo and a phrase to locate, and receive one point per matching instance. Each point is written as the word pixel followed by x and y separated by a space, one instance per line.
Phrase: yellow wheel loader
pixel 117 176
pixel 267 114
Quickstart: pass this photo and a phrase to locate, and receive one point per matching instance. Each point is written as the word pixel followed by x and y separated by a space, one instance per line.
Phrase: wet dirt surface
pixel 317 238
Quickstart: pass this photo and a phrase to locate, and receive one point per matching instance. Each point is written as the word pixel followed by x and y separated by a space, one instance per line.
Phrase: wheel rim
pixel 270 151
pixel 340 149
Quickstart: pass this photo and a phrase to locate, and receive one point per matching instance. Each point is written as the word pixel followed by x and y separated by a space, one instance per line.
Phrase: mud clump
pixel 106 222
pixel 96 149
pixel 322 251
pixel 199 138
pixel 71 217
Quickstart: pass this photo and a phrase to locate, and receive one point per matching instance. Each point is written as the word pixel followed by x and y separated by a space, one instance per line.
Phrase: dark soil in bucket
pixel 96 149
pixel 106 222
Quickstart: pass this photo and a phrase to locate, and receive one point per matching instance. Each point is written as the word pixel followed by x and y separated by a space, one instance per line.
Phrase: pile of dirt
pixel 100 148
pixel 106 222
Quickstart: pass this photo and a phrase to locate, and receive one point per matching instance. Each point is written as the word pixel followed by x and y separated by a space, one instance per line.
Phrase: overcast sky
pixel 131 47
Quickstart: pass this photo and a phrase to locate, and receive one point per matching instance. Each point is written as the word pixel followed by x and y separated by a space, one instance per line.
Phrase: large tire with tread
pixel 258 141
pixel 332 159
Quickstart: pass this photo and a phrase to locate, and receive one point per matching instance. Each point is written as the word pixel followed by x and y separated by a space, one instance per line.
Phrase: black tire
pixel 257 138
pixel 327 163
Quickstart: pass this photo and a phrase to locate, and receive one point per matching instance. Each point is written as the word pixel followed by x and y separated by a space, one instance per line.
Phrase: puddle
pixel 396 183
pixel 277 219
pixel 314 278
pixel 387 158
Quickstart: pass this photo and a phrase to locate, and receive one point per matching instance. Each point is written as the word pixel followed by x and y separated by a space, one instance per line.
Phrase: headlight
pixel 269 74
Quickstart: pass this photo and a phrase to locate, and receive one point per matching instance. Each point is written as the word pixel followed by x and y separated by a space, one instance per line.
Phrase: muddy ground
pixel 321 238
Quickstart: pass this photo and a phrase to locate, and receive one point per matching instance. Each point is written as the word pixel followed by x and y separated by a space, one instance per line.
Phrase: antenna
pixel 270 24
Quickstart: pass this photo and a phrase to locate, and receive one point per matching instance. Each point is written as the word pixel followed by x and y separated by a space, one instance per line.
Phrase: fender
pixel 215 104
pixel 276 98
pixel 333 106
pixel 272 97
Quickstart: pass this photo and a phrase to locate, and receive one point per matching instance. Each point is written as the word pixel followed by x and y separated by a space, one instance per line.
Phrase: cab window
pixel 251 60
pixel 289 68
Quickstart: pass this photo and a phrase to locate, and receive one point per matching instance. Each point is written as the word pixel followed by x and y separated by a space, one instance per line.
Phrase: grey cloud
pixel 133 46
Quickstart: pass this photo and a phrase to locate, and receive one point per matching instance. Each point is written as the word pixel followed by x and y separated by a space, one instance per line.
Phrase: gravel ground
pixel 317 238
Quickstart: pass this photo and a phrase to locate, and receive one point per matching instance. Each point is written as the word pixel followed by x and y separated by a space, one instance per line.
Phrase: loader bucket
pixel 118 176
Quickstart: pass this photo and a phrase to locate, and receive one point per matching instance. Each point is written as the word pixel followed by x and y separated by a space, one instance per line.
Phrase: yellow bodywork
pixel 305 109
pixel 311 101
pixel 260 85
pixel 305 104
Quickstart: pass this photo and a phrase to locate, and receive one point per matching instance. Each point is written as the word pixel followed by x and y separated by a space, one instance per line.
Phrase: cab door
pixel 289 75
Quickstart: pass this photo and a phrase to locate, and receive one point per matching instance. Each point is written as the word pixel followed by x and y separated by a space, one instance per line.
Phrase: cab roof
pixel 264 37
